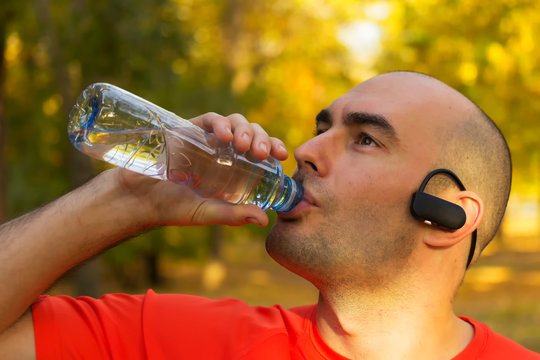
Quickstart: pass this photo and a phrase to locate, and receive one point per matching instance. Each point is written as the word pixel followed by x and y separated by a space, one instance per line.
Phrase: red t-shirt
pixel 151 326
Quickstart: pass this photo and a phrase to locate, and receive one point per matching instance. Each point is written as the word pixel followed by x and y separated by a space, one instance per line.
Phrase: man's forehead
pixel 401 81
pixel 409 90
pixel 401 97
pixel 400 109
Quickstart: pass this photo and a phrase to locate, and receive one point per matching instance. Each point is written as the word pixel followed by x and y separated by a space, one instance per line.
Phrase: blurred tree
pixel 87 275
pixel 7 12
pixel 485 50
pixel 4 17
pixel 276 62
pixel 75 43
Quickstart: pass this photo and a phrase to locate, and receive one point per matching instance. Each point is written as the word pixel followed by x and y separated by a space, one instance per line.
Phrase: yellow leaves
pixel 526 43
pixel 318 8
pixel 51 135
pixel 533 83
pixel 362 38
pixel 468 72
pixel 379 10
pixel 203 48
pixel 498 56
pixel 202 35
pixel 213 275
pixel 241 80
pixel 486 277
pixel 179 66
pixel 51 106
pixel 521 219
pixel 172 235
pixel 295 136
pixel 271 44
pixel 13 48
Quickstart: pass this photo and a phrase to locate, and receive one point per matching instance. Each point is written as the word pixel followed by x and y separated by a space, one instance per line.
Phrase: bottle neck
pixel 291 193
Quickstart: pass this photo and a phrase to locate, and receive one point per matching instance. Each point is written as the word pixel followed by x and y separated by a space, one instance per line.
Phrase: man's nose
pixel 315 154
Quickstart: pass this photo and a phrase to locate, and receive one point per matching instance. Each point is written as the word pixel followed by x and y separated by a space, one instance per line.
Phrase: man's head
pixel 374 146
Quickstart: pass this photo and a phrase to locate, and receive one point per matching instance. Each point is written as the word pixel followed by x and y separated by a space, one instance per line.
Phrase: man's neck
pixel 369 326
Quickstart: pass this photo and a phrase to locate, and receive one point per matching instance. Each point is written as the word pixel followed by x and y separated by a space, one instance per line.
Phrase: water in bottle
pixel 113 125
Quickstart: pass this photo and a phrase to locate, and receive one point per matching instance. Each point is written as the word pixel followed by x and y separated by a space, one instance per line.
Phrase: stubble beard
pixel 350 249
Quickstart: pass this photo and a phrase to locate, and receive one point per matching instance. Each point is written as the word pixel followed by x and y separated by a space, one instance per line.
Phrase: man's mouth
pixel 307 203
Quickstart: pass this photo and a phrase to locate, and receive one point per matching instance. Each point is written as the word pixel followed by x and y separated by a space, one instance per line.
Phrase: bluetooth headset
pixel 435 211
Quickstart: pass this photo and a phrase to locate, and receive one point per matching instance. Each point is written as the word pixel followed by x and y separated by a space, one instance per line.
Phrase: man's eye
pixel 366 140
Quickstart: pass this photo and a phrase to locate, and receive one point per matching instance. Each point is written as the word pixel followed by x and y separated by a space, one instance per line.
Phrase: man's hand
pixel 166 203
pixel 244 135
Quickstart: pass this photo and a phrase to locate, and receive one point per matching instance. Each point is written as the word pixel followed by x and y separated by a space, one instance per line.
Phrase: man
pixel 386 278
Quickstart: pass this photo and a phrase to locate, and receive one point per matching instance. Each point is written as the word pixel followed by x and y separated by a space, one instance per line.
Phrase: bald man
pixel 387 266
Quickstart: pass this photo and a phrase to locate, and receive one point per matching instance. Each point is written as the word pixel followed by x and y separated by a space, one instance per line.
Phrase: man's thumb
pixel 211 211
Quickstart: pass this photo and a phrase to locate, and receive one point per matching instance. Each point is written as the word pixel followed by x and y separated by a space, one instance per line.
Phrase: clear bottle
pixel 113 125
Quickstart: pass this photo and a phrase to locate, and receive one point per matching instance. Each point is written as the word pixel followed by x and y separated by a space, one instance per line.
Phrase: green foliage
pixel 277 62
pixel 257 58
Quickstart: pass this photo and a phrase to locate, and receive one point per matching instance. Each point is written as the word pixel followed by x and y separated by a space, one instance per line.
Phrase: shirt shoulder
pixel 235 329
pixel 173 326
pixel 88 328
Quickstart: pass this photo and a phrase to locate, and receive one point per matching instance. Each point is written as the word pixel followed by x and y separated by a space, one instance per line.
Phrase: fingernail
pixel 263 147
pixel 245 136
pixel 252 220
pixel 282 147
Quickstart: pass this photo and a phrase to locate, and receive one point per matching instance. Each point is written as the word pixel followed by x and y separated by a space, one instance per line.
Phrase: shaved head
pixel 475 149
pixel 478 152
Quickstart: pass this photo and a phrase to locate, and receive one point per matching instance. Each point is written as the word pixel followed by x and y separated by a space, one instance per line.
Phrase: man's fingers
pixel 260 144
pixel 245 136
pixel 211 211
pixel 243 132
pixel 215 123
pixel 279 151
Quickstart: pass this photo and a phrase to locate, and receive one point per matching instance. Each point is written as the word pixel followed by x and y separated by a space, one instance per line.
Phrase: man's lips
pixel 307 203
pixel 308 197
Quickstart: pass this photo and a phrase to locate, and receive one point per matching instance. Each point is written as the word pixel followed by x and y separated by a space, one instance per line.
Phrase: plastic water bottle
pixel 113 125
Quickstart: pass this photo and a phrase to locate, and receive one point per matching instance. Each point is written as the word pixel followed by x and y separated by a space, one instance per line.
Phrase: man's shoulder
pixel 487 344
pixel 169 303
pixel 234 326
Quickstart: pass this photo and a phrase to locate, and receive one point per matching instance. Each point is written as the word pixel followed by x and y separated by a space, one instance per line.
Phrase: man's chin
pixel 284 229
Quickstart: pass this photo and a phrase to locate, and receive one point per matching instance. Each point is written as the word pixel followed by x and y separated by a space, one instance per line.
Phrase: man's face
pixel 373 147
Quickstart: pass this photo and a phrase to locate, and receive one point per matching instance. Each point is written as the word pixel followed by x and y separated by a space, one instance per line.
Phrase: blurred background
pixel 277 62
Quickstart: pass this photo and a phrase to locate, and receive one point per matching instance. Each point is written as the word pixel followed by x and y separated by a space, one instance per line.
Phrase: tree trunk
pixel 5 17
pixel 215 272
pixel 216 241
pixel 151 259
pixel 3 127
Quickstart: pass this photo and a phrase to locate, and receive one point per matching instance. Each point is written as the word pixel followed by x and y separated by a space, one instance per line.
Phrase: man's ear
pixel 473 206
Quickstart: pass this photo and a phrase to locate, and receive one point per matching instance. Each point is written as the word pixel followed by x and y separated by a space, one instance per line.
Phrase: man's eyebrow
pixel 376 120
pixel 323 117
pixel 359 118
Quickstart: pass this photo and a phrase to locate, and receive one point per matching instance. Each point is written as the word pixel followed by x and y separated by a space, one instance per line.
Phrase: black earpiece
pixel 436 211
